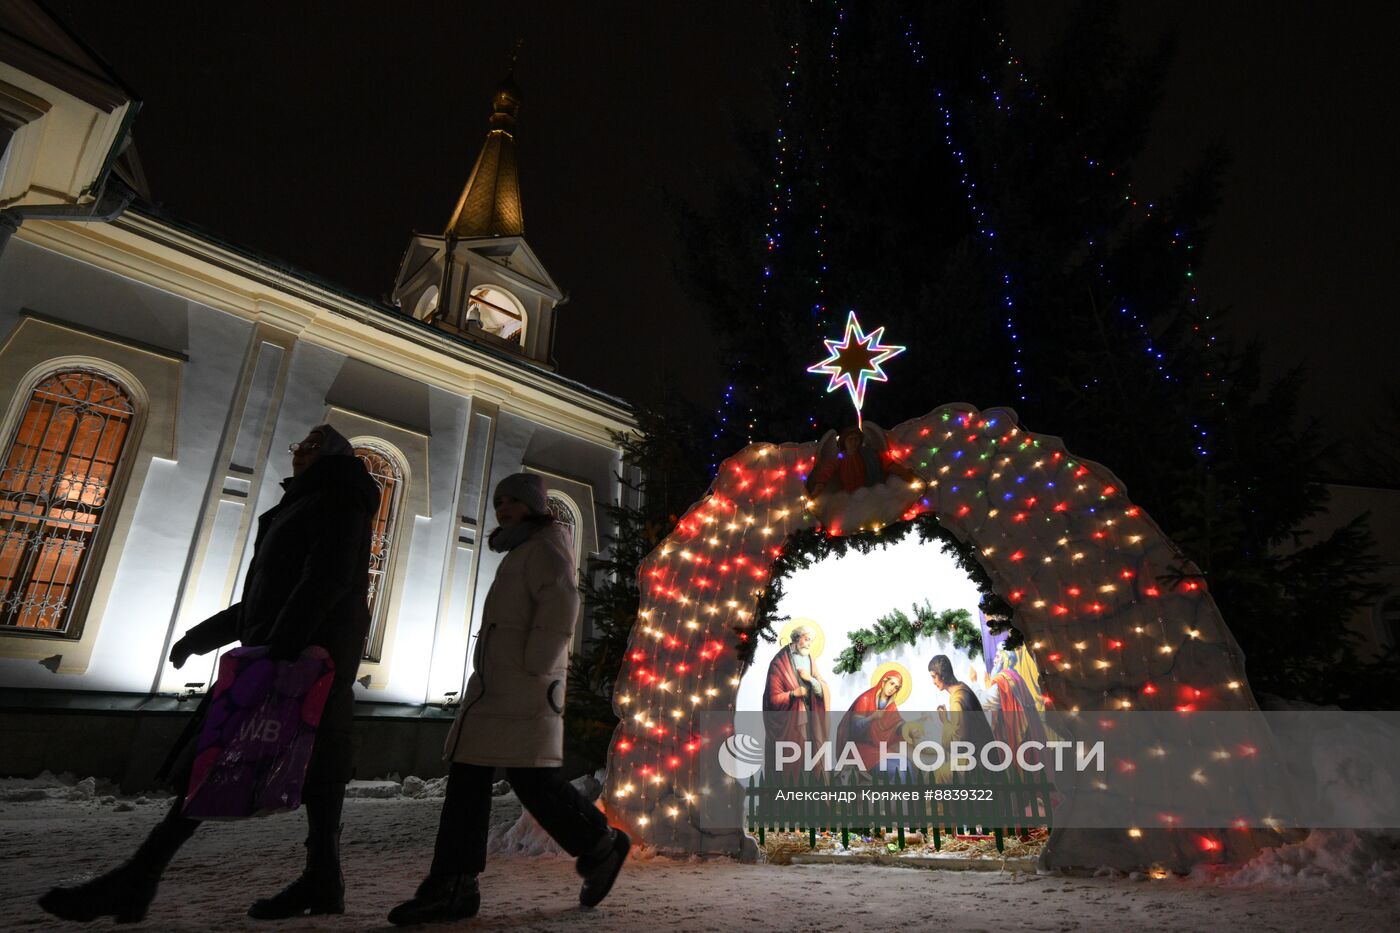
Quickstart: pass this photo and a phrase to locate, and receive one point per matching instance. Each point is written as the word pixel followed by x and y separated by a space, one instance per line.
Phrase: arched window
pixel 55 483
pixel 384 469
pixel 566 514
pixel 427 304
pixel 497 312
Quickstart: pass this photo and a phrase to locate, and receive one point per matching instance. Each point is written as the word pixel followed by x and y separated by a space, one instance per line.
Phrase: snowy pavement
pixel 63 834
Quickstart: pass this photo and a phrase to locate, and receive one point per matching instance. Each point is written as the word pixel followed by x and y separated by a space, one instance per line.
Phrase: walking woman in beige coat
pixel 512 717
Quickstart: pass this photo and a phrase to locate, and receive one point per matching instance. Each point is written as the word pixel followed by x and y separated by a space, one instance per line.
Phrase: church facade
pixel 151 379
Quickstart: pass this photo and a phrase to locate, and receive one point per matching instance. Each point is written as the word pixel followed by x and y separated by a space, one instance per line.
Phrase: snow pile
pixel 376 790
pixel 523 837
pixel 423 789
pixel 412 787
pixel 50 786
pixel 527 837
pixel 1327 858
pixel 50 790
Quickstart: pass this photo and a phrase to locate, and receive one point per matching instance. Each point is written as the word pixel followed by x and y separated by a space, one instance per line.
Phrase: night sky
pixel 325 137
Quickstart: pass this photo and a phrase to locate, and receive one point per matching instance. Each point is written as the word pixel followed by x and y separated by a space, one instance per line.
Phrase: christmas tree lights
pixel 1178 239
pixel 784 204
pixel 779 202
pixel 982 223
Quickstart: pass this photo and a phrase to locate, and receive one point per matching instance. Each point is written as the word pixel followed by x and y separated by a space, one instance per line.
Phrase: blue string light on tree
pixel 855 360
pixel 1178 239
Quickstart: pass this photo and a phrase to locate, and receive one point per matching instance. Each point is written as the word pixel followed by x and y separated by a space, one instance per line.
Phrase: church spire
pixel 490 203
pixel 480 280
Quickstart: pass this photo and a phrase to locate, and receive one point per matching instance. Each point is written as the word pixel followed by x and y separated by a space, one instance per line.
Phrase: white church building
pixel 151 378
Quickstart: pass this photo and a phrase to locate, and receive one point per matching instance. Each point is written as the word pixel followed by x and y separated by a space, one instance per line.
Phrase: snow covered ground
pixel 62 831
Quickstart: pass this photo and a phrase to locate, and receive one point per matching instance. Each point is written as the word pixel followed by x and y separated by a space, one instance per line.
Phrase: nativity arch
pixel 1116 616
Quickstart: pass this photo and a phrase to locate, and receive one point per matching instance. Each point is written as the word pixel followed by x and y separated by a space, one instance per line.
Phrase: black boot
pixel 321 887
pixel 600 869
pixel 319 890
pixel 125 892
pixel 447 896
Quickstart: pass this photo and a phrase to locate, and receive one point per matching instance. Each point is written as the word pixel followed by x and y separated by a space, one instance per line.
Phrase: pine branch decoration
pixel 896 628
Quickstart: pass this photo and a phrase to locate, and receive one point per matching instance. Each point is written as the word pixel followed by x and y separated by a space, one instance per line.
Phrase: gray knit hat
pixel 528 488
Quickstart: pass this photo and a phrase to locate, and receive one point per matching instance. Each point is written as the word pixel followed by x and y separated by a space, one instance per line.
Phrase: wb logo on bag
pixel 260 730
pixel 741 756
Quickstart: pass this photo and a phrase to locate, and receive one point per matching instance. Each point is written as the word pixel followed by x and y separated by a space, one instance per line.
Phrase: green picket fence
pixel 1004 803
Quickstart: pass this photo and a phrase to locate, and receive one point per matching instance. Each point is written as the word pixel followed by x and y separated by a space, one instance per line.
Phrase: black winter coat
pixel 307 585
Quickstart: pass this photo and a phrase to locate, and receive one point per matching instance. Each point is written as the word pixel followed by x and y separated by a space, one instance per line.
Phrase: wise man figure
pixel 963 718
pixel 873 720
pixel 1012 707
pixel 794 699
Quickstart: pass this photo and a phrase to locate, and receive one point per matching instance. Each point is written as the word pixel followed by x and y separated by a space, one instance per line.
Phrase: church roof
pixel 490 203
pixel 148 219
pixel 32 40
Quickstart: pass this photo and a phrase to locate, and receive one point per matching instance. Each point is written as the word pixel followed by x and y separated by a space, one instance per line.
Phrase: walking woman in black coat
pixel 306 585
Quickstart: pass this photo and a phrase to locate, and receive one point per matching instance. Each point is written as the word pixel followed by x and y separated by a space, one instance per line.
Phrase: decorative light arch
pixel 1116 615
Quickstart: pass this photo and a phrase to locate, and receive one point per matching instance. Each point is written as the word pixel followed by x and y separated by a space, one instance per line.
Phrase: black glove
pixel 180 653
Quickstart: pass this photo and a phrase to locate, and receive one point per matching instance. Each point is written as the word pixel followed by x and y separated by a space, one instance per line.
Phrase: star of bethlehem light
pixel 855 360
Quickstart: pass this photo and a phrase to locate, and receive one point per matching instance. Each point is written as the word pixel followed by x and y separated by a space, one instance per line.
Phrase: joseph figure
pixel 794 699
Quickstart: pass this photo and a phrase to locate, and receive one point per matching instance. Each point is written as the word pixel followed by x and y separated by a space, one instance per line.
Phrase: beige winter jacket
pixel 512 712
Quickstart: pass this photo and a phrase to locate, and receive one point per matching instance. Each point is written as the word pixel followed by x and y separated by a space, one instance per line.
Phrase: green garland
pixel 896 629
pixel 809 546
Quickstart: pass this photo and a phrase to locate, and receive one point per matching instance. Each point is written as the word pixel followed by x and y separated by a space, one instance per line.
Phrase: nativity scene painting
pixel 889 647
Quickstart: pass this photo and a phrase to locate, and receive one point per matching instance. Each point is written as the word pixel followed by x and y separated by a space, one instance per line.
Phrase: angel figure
pixel 854 458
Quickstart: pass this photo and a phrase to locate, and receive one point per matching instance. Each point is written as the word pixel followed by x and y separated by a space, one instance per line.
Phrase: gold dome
pixel 506 103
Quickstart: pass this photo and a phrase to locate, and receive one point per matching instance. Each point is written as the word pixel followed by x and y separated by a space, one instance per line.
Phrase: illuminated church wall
pixel 52 308
pixel 234 370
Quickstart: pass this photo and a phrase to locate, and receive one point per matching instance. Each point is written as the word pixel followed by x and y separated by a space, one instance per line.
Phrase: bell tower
pixel 479 279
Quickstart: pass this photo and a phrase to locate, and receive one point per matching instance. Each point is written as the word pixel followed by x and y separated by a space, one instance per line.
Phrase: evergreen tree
pixel 985 215
pixel 664 471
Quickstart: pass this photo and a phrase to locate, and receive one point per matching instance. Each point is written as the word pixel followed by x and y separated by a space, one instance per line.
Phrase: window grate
pixel 55 484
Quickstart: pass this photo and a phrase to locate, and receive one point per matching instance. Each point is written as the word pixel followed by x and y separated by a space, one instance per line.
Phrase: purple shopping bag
pixel 256 742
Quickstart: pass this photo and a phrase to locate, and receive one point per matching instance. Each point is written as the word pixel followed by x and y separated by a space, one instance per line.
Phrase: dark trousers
pixel 577 825
pixel 323 808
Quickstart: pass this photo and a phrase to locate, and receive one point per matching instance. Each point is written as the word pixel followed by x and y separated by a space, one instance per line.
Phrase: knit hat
pixel 528 488
pixel 333 443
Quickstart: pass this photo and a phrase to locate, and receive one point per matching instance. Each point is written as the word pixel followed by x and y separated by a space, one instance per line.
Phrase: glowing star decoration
pixel 856 360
